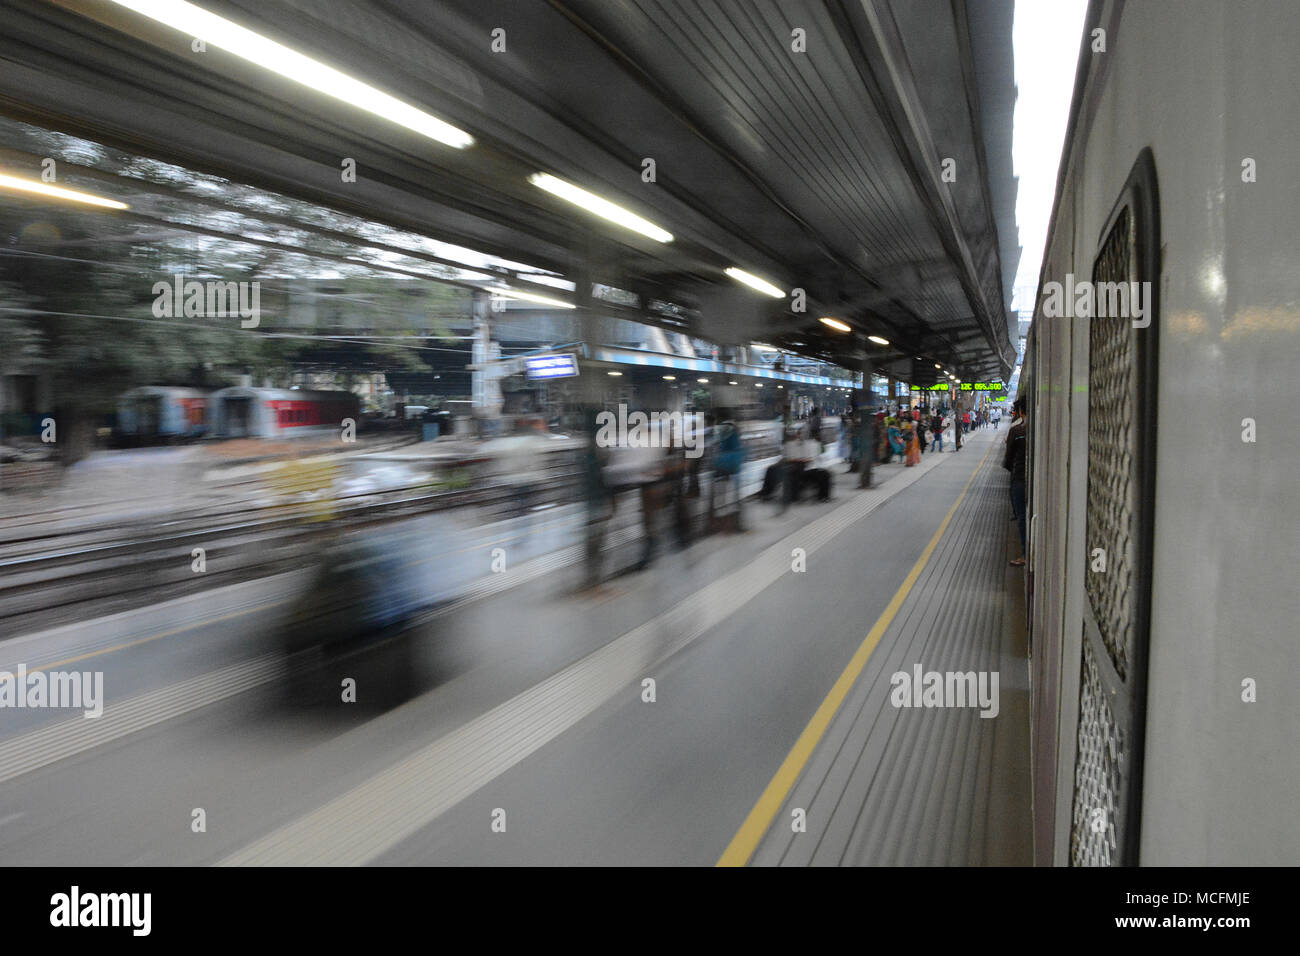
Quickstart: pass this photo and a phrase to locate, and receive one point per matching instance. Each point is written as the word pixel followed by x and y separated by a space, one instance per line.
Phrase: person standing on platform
pixel 896 446
pixel 911 441
pixel 936 429
pixel 1013 460
pixel 815 426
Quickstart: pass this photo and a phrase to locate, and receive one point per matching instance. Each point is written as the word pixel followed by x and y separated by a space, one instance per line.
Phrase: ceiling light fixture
pixel 835 324
pixel 754 282
pixel 262 51
pixel 530 297
pixel 600 207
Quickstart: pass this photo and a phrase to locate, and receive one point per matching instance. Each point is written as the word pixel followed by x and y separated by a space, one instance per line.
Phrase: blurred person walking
pixel 728 460
pixel 868 442
pixel 599 499
pixel 797 455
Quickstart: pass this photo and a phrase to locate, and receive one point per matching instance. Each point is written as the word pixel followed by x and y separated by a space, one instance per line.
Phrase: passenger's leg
pixel 599 511
pixel 1018 506
pixel 793 481
pixel 734 481
pixel 649 519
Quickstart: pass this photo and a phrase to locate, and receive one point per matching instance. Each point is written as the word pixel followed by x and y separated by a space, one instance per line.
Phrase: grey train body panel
pixel 1166 715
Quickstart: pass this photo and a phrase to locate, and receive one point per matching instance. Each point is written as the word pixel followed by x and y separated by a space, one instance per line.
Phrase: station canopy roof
pixel 858 150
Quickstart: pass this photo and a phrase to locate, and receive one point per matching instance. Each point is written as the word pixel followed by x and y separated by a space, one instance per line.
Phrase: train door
pixel 238 415
pixel 1118 532
pixel 148 417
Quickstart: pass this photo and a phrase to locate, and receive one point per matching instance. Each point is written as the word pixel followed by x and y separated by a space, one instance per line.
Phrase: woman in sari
pixel 912 432
pixel 896 446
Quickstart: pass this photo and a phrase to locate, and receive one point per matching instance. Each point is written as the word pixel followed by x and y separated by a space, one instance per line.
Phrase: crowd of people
pixel 866 438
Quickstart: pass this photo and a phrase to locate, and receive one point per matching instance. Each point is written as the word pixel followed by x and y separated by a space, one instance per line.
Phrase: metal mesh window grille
pixel 1105 817
pixel 1112 407
pixel 1098 777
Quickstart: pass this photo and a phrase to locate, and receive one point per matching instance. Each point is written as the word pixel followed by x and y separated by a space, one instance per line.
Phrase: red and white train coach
pixel 245 412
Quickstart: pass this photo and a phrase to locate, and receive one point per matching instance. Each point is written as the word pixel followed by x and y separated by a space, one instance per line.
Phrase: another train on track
pixel 155 415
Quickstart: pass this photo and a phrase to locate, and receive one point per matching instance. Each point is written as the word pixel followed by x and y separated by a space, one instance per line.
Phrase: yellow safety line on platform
pixel 751 832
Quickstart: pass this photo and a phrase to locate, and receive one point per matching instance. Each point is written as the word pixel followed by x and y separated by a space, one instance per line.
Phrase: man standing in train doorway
pixel 1014 461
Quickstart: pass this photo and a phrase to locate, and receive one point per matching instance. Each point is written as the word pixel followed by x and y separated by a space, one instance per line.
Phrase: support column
pixel 865 428
pixel 485 382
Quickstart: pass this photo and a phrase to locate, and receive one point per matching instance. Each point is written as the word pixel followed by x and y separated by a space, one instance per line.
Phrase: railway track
pixel 50 576
pixel 48 580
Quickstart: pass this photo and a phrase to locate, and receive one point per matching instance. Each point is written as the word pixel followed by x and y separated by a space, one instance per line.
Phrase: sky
pixel 1045 39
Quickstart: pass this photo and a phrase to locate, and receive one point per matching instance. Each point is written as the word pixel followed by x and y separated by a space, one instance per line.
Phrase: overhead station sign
pixel 936 387
pixel 550 366
pixel 981 386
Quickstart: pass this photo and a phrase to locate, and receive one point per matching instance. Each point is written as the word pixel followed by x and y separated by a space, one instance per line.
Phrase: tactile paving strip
pixel 911 786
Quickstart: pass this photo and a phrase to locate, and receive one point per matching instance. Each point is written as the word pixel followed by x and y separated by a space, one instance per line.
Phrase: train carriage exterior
pixel 245 412
pixel 156 413
pixel 1163 463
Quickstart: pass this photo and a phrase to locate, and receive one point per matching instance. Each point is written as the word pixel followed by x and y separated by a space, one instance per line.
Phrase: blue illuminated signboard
pixel 550 366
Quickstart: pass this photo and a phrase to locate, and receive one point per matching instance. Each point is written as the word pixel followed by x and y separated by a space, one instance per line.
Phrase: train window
pixel 1119 515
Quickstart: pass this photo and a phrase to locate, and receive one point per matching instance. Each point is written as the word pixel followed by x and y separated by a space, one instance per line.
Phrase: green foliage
pixel 76 283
